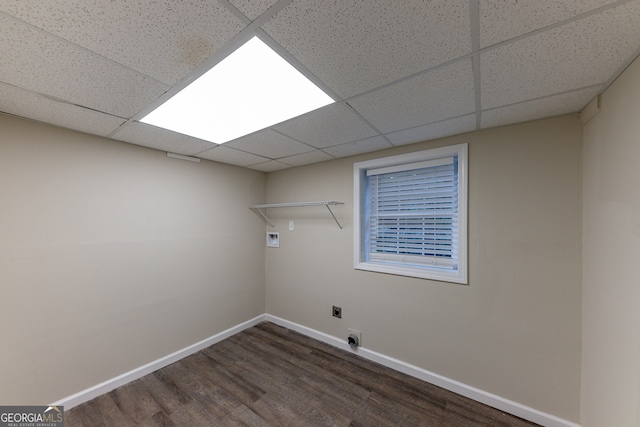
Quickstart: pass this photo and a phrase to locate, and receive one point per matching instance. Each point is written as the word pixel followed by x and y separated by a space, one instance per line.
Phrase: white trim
pixel 406 166
pixel 113 383
pixel 411 271
pixel 478 395
pixel 413 157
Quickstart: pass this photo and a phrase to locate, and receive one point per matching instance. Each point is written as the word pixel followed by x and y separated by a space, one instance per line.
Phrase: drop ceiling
pixel 399 71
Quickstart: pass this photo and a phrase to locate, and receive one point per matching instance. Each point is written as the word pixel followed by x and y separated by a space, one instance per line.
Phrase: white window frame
pixel 442 273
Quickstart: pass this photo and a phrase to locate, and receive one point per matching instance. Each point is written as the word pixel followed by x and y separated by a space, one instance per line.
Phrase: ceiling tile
pixel 252 8
pixel 358 147
pixel 540 108
pixel 30 105
pixel 270 166
pixel 353 48
pixel 306 158
pixel 403 69
pixel 224 154
pixel 572 56
pixel 331 125
pixel 163 39
pixel 161 139
pixel 434 130
pixel 440 94
pixel 269 143
pixel 71 73
pixel 526 16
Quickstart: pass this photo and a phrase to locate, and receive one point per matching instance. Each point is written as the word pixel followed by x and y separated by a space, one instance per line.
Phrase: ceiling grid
pixel 400 72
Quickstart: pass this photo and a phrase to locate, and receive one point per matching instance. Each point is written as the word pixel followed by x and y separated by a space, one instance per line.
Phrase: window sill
pixel 432 273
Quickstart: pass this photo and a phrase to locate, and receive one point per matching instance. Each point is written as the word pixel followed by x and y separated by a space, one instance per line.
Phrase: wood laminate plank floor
pixel 270 376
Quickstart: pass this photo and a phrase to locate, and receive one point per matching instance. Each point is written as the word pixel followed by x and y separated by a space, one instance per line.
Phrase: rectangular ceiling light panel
pixel 251 89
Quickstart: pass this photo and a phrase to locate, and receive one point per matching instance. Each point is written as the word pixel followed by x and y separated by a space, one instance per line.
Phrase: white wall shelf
pixel 261 208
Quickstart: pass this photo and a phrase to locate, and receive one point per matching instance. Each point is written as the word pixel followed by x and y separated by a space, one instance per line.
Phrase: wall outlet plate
pixel 357 333
pixel 337 312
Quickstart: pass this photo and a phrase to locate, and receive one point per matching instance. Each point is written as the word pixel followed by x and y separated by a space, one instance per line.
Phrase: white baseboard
pixel 478 395
pixel 113 383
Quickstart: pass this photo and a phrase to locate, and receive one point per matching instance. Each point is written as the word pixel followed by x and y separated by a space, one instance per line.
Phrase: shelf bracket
pixel 260 208
pixel 334 217
pixel 264 215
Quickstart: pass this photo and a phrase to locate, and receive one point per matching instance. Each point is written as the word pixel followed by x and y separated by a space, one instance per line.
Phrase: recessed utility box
pixel 273 239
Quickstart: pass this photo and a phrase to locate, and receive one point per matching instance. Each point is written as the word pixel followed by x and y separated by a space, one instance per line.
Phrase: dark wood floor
pixel 270 376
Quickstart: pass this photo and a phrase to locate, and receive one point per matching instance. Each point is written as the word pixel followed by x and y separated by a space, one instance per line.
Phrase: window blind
pixel 413 213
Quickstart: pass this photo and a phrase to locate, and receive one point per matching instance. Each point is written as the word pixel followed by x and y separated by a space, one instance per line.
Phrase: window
pixel 411 214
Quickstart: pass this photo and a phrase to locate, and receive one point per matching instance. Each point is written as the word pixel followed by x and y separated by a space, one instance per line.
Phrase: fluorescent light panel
pixel 251 89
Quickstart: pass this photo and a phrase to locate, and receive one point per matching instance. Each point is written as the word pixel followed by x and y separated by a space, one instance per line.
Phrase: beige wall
pixel 515 329
pixel 112 256
pixel 611 279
